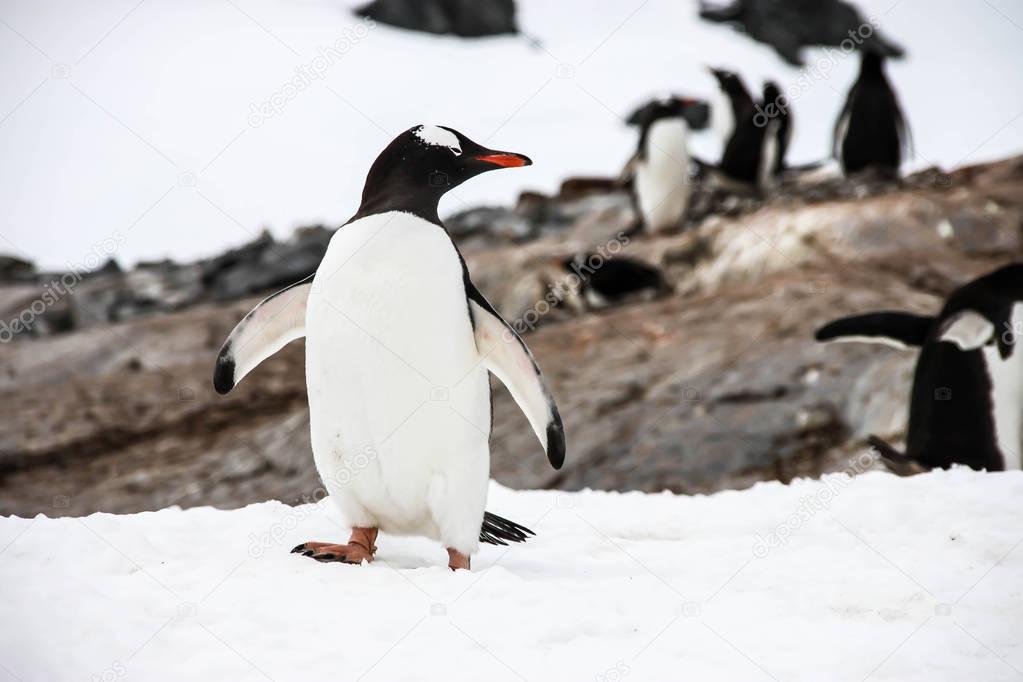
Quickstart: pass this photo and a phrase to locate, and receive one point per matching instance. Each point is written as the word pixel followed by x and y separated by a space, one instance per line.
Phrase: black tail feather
pixel 496 530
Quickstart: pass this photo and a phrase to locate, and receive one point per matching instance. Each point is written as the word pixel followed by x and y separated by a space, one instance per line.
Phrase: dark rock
pixel 490 224
pixel 790 25
pixel 466 18
pixel 14 269
pixel 265 264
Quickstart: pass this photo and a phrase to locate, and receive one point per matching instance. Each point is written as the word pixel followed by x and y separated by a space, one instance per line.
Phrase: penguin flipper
pixel 271 325
pixel 891 328
pixel 505 354
pixel 967 329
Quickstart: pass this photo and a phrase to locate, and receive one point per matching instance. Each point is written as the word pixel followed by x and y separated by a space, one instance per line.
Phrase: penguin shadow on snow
pixel 966 404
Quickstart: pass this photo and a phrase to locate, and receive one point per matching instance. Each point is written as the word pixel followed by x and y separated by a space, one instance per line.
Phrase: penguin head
pixel 429 160
pixel 728 81
pixel 696 113
pixel 771 91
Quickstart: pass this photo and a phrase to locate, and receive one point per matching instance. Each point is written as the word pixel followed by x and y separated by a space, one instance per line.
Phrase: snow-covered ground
pixel 874 577
pixel 127 126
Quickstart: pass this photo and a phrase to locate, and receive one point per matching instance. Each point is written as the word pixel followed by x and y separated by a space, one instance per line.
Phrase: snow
pixel 178 128
pixel 874 577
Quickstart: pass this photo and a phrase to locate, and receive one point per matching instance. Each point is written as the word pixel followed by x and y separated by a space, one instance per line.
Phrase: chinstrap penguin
pixel 399 343
pixel 871 131
pixel 661 168
pixel 966 403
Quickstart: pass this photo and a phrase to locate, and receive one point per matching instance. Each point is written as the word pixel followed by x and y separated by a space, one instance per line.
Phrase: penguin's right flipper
pixel 499 531
pixel 505 354
pixel 267 328
pixel 902 330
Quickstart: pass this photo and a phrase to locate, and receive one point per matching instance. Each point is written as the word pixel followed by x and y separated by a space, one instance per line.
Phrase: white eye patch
pixel 439 137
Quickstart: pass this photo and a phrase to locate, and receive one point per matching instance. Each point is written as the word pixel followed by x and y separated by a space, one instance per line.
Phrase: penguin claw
pixel 326 552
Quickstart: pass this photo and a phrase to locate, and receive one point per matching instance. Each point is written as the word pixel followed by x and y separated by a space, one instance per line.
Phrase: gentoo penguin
pixel 775 106
pixel 871 131
pixel 967 397
pixel 754 153
pixel 398 345
pixel 731 104
pixel 661 167
pixel 606 281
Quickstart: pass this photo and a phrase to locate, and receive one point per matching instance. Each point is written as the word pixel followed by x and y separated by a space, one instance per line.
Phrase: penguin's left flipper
pixel 505 354
pixel 891 328
pixel 967 329
pixel 271 325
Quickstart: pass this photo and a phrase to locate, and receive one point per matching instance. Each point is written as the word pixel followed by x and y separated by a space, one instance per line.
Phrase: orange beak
pixel 505 160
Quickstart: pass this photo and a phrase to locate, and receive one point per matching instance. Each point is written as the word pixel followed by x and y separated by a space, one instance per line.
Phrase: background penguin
pixel 661 167
pixel 871 131
pixel 754 153
pixel 398 345
pixel 731 104
pixel 777 107
pixel 967 398
pixel 607 281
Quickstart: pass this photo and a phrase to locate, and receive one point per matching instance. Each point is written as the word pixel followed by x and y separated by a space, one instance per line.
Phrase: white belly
pixel 662 189
pixel 1007 392
pixel 399 402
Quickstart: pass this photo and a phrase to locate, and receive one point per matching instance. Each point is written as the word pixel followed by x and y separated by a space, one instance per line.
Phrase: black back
pixel 695 113
pixel 876 133
pixel 777 107
pixel 617 277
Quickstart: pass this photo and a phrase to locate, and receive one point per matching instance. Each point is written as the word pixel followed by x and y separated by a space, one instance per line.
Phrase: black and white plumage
pixel 871 131
pixel 606 281
pixel 399 342
pixel 776 106
pixel 732 103
pixel 966 403
pixel 661 171
pixel 754 151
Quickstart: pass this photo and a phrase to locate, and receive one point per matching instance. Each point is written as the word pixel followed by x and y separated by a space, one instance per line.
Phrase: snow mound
pixel 841 579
